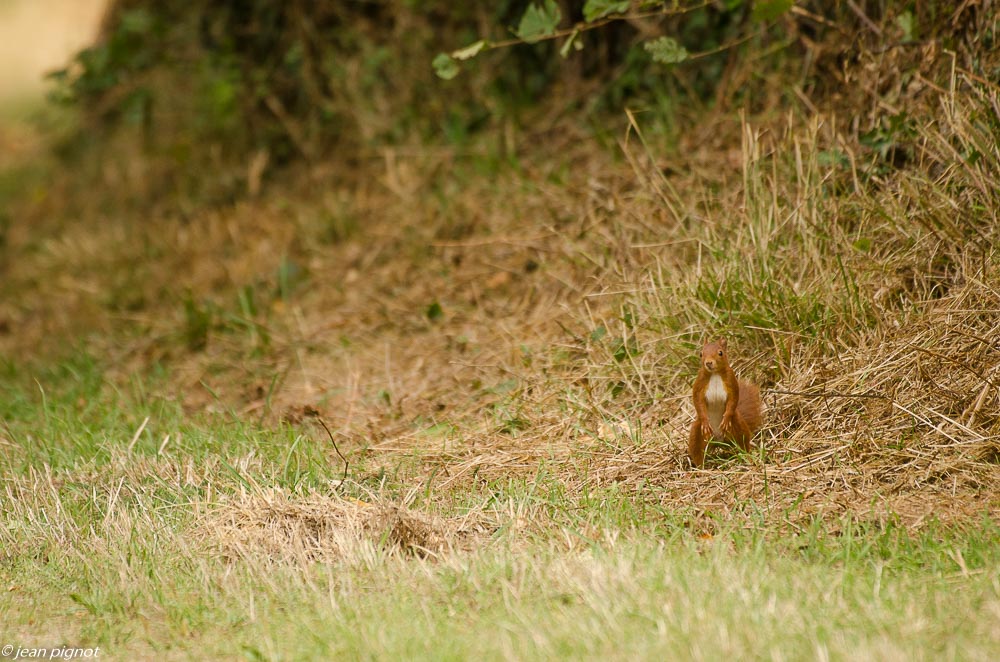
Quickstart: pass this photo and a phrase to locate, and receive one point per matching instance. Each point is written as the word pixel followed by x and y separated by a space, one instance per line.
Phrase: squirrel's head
pixel 713 355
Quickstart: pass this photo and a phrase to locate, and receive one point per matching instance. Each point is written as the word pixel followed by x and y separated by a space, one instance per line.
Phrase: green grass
pixel 102 547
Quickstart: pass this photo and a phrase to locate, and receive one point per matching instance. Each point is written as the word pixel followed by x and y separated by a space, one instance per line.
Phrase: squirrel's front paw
pixel 726 425
pixel 706 428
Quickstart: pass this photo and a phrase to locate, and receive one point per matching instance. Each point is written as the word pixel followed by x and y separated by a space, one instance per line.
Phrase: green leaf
pixel 539 21
pixel 434 311
pixel 445 67
pixel 906 23
pixel 571 42
pixel 595 9
pixel 623 349
pixel 136 21
pixel 385 397
pixel 470 51
pixel 768 10
pixel 666 50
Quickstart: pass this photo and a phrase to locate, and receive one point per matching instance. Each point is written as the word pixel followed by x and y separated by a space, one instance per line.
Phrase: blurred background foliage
pixel 210 94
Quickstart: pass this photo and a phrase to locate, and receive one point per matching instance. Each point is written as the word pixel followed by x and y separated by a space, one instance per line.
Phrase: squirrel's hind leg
pixel 741 433
pixel 697 443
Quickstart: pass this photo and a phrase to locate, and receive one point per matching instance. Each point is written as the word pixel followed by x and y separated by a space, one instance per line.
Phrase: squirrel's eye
pixel 720 352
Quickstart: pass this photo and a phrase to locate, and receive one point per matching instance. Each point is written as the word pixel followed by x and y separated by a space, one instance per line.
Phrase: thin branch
pixel 584 26
pixel 960 364
pixel 334 442
pixel 724 47
pixel 829 394
pixel 864 17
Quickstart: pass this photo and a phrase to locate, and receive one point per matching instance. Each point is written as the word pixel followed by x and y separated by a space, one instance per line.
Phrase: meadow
pixel 434 404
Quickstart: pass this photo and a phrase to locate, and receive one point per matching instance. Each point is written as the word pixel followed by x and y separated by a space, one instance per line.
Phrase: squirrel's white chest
pixel 715 399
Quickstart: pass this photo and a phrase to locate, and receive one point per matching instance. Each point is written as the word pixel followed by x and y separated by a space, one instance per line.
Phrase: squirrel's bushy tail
pixel 749 406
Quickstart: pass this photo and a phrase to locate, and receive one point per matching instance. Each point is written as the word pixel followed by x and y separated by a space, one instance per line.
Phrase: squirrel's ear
pixel 722 343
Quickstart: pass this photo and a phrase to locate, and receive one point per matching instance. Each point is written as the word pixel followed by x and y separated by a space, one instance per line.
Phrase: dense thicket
pixel 207 85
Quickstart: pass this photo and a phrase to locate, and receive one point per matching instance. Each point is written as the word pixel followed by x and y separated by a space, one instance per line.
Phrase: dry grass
pixel 328 528
pixel 867 315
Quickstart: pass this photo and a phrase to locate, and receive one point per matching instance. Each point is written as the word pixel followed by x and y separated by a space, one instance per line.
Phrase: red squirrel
pixel 725 407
